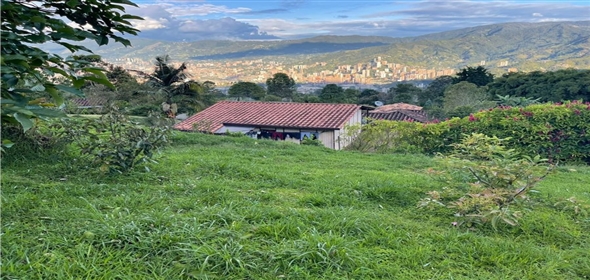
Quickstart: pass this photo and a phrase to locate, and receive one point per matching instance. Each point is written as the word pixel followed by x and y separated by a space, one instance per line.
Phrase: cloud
pixel 159 23
pixel 267 11
pixel 474 13
pixel 190 20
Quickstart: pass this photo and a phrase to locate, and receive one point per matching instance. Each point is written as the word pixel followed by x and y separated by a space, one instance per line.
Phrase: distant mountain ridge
pixel 551 44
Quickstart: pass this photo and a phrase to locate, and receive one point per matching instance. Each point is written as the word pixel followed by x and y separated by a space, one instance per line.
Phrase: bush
pixel 494 178
pixel 36 143
pixel 144 110
pixel 559 132
pixel 113 142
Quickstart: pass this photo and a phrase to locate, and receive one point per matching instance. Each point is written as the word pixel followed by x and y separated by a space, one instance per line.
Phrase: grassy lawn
pixel 235 208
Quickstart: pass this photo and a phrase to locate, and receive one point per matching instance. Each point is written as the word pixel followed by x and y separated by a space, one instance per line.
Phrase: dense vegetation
pixel 558 132
pixel 216 208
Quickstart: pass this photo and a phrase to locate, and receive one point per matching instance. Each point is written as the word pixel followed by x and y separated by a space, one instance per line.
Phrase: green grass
pixel 235 208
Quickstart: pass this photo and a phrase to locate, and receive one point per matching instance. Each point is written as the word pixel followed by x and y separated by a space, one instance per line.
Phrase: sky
pixel 190 20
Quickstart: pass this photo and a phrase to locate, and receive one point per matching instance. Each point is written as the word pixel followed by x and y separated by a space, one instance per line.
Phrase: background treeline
pixel 171 91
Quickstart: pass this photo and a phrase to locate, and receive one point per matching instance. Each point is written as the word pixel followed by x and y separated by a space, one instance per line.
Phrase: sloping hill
pixel 237 208
pixel 516 43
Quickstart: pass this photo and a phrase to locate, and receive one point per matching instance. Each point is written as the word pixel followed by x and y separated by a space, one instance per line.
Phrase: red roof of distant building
pixel 399 115
pixel 396 107
pixel 89 102
pixel 270 114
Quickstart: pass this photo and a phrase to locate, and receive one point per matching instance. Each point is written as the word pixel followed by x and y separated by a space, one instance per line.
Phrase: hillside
pixel 548 44
pixel 236 208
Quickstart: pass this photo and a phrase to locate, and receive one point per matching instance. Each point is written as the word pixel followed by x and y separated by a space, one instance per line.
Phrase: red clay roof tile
pixel 396 107
pixel 271 114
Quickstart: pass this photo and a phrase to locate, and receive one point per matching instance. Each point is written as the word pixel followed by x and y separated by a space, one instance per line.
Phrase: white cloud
pixel 537 15
pixel 149 23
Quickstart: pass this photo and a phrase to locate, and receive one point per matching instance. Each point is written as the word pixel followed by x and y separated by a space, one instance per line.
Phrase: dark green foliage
pixel 144 110
pixel 369 96
pixel 332 93
pixel 476 75
pixel 247 90
pixel 281 85
pixel 557 86
pixel 113 142
pixel 514 101
pixel 434 93
pixel 558 132
pixel 312 142
pixel 27 71
pixel 404 92
pixel 464 98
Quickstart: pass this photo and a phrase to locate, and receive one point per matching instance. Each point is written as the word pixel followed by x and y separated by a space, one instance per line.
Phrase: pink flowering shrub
pixel 558 132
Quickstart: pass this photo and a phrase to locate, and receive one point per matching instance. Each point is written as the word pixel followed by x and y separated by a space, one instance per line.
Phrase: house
pixel 397 112
pixel 278 120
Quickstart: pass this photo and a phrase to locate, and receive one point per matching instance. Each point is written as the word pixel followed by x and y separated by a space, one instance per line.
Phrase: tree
pixel 351 95
pixel 557 86
pixel 180 93
pixel 465 98
pixel 281 85
pixel 369 96
pixel 404 92
pixel 434 93
pixel 476 75
pixel 27 70
pixel 332 93
pixel 247 90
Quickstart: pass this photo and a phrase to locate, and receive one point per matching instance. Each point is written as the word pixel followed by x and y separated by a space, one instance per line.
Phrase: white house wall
pixel 341 141
pixel 327 138
pixel 241 129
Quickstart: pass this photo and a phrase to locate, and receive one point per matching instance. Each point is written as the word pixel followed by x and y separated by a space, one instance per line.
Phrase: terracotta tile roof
pixel 272 114
pixel 89 102
pixel 396 107
pixel 399 115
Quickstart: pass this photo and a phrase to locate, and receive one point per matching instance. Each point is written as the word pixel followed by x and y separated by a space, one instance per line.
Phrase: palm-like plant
pixel 175 85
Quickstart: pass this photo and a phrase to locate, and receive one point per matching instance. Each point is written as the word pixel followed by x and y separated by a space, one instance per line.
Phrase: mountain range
pixel 546 45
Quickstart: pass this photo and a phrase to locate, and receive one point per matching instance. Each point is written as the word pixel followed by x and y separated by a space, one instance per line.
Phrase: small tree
pixel 332 93
pixel 281 85
pixel 476 75
pixel 247 90
pixel 465 98
pixel 493 176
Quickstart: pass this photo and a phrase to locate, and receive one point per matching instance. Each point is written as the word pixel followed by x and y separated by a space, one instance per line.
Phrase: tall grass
pixel 237 208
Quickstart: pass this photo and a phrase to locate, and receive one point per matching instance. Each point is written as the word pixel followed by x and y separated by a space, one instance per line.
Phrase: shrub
pixel 494 178
pixel 559 132
pixel 113 142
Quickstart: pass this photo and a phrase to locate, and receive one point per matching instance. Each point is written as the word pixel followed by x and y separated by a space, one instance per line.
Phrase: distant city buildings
pixel 225 73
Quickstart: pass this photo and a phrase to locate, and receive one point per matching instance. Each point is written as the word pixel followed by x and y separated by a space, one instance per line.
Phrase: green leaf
pixel 24 121
pixel 102 40
pixel 47 112
pixel 72 3
pixel 55 94
pixel 100 81
pixel 7 143
pixel 71 90
pixel 38 87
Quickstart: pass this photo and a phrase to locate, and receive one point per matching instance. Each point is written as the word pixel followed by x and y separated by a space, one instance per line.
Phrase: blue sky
pixel 190 20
